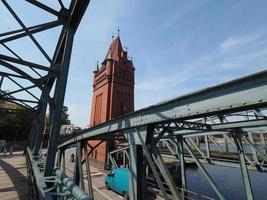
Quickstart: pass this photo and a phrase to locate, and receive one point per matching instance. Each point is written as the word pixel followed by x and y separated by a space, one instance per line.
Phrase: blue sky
pixel 177 46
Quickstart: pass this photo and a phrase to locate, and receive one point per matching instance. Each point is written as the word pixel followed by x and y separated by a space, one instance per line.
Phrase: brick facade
pixel 113 93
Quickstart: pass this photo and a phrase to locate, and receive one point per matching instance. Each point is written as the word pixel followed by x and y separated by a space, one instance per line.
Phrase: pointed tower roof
pixel 115 50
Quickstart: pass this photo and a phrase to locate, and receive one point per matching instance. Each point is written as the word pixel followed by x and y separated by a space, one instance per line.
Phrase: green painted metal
pixel 229 97
pixel 243 167
pixel 75 190
pixel 36 165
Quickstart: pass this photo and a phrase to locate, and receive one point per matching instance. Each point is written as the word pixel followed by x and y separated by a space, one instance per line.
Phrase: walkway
pixel 13 180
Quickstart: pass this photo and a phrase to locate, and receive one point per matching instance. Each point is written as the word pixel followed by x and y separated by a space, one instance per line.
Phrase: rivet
pixel 244 103
pixel 188 109
pixel 208 110
pixel 260 100
pixel 230 105
pixel 218 108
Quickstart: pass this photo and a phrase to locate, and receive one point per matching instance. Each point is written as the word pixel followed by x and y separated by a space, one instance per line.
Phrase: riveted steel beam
pixel 234 96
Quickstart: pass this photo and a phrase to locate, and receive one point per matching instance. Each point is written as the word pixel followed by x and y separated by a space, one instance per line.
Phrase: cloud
pixel 243 51
pixel 237 42
pixel 185 9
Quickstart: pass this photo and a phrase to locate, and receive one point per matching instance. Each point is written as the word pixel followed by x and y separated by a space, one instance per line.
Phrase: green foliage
pixel 18 119
pixel 65 116
pixel 64 119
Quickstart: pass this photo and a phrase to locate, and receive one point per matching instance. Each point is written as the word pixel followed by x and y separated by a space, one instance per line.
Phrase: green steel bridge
pixel 235 111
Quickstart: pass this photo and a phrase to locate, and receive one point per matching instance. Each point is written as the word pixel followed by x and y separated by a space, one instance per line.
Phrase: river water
pixel 228 179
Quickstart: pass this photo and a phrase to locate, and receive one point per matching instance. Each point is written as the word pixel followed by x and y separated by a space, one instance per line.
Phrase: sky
pixel 177 46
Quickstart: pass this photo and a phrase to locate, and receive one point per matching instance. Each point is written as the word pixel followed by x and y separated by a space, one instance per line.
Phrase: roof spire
pixel 112 36
pixel 96 68
pixel 118 30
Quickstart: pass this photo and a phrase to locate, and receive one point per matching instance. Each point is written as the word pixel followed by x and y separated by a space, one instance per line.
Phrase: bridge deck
pixel 13 180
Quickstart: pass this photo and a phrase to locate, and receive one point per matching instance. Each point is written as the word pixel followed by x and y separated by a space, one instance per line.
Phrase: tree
pixel 65 116
pixel 15 121
pixel 64 119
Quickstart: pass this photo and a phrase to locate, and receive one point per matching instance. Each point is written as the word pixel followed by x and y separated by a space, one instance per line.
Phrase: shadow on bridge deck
pixel 13 181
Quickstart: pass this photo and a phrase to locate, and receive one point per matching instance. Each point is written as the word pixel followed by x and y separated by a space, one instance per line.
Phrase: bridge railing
pixel 57 186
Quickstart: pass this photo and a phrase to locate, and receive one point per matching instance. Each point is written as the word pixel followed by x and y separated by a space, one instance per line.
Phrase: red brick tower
pixel 113 93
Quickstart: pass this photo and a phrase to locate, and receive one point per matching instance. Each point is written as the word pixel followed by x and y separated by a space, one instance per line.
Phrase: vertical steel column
pixel 180 149
pixel 206 174
pixel 207 148
pixel 124 158
pixel 149 159
pixel 59 159
pixel 137 171
pixel 88 173
pixel 63 161
pixel 79 161
pixel 226 143
pixel 59 99
pixel 108 164
pixel 59 156
pixel 250 137
pixel 31 139
pixel 39 125
pixel 263 141
pixel 76 172
pixel 244 170
pixel 253 151
pixel 1 81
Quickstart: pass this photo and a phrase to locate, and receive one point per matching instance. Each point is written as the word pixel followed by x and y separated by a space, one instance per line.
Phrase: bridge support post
pixel 254 153
pixel 87 164
pixel 78 174
pixel 180 149
pixel 263 142
pixel 207 148
pixel 59 95
pixel 1 81
pixel 137 180
pixel 226 143
pixel 243 166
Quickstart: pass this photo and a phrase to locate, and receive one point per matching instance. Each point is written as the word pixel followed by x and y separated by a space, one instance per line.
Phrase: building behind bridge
pixel 113 94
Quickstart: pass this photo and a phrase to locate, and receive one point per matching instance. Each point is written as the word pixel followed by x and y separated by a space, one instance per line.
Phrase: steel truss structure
pixel 40 82
pixel 235 109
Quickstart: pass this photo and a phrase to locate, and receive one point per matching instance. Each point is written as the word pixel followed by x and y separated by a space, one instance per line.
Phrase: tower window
pixel 95 153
